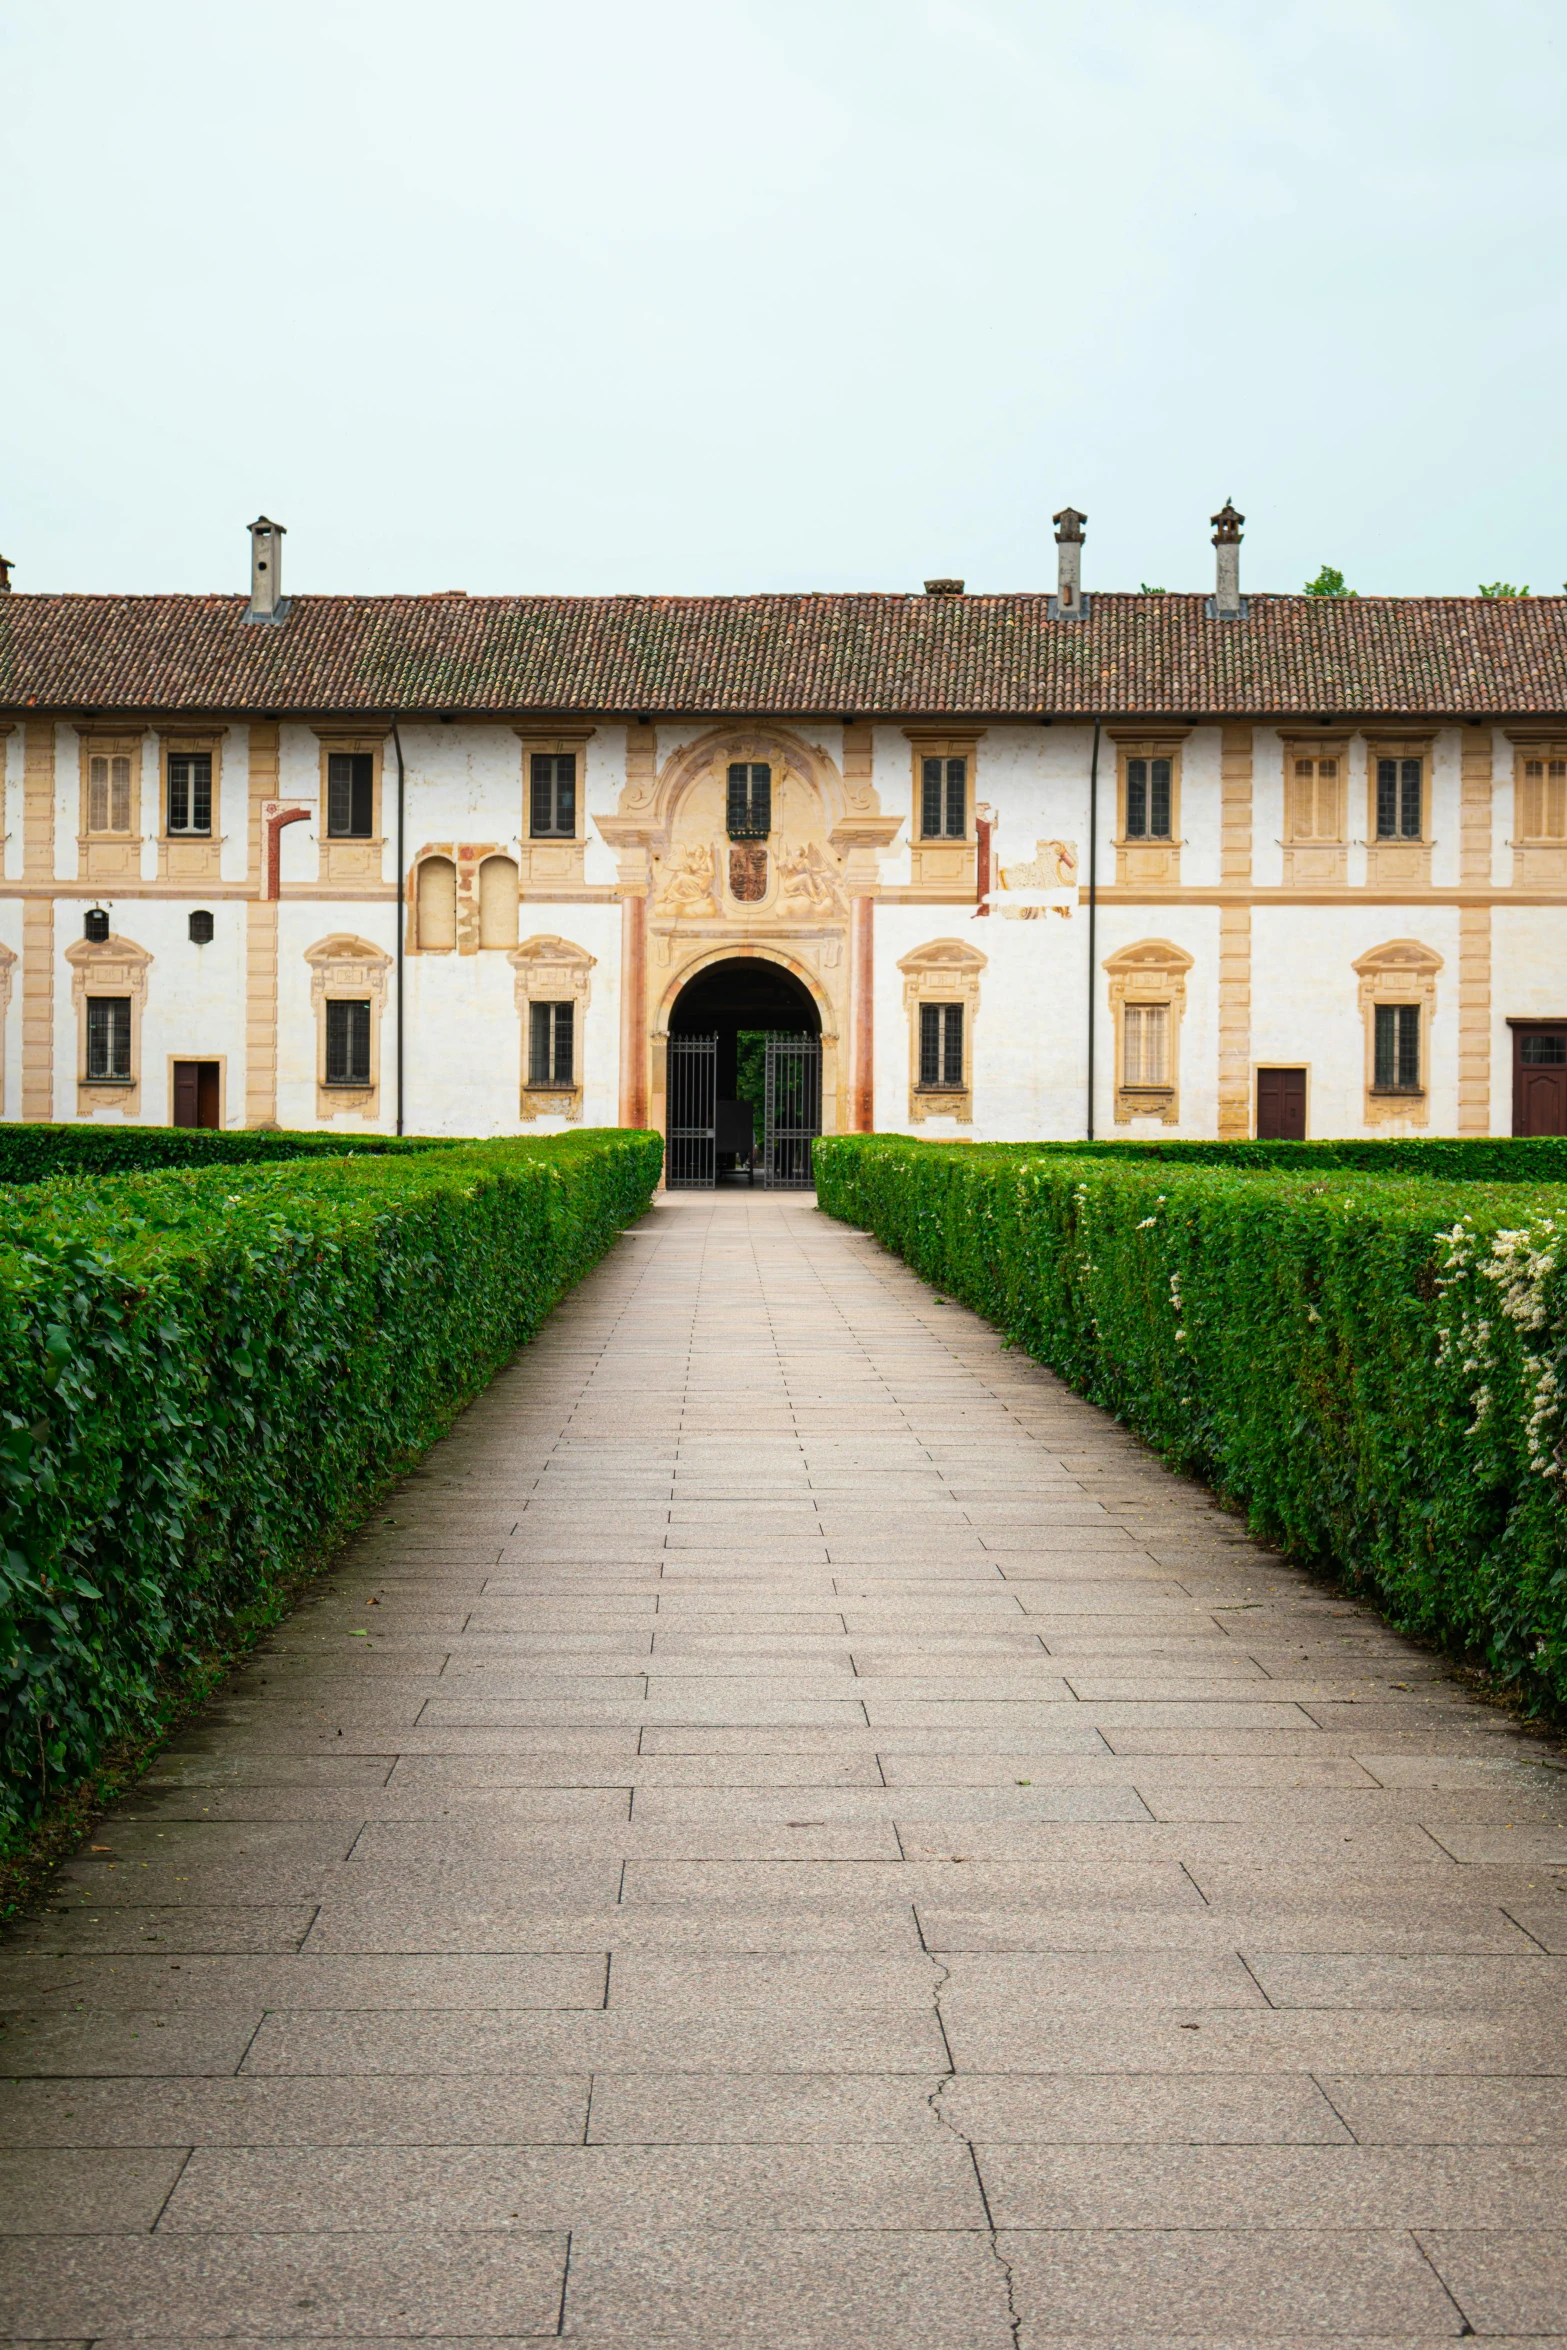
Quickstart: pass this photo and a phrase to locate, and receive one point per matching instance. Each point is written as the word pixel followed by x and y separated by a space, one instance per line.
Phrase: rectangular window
pixel 552 812
pixel 1397 1048
pixel 190 791
pixel 108 1036
pixel 1543 812
pixel 1314 809
pixel 941 1045
pixel 1543 1052
pixel 550 1044
pixel 1399 809
pixel 944 799
pixel 1145 1044
pixel 1147 799
pixel 750 803
pixel 108 792
pixel 347 1041
pixel 350 795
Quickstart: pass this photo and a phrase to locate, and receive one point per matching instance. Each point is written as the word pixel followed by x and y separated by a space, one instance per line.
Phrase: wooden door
pixel 1281 1105
pixel 1540 1079
pixel 196 1093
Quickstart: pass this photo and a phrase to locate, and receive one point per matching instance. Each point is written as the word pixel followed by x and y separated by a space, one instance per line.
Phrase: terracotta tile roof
pixel 900 656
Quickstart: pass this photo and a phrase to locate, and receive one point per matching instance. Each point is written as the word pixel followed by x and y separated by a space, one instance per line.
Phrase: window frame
pixel 548 1016
pixel 1401 1028
pixel 1548 756
pixel 942 1022
pixel 944 774
pixel 554 830
pixel 1147 857
pixel 119 1041
pixel 191 756
pixel 741 821
pixel 1391 783
pixel 361 779
pixel 338 1012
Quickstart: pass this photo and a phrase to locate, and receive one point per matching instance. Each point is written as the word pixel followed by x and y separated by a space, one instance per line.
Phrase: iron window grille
pixel 944 799
pixel 1147 799
pixel 350 795
pixel 190 791
pixel 95 925
pixel 1397 1048
pixel 1399 798
pixel 552 796
pixel 551 1043
pixel 109 1036
pixel 201 928
pixel 348 1041
pixel 109 793
pixel 750 800
pixel 941 1045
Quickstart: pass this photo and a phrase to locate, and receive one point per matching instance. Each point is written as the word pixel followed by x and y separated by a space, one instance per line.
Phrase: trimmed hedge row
pixel 1374 1368
pixel 32 1153
pixel 206 1376
pixel 1537 1158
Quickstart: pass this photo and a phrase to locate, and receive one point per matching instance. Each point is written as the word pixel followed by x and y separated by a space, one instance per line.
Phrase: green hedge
pixel 1540 1158
pixel 1374 1368
pixel 206 1376
pixel 32 1153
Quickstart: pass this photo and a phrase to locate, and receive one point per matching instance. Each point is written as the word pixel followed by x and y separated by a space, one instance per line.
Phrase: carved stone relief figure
pixel 687 892
pixel 808 882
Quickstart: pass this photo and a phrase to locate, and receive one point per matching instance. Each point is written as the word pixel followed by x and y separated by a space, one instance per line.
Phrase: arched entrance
pixel 744 1077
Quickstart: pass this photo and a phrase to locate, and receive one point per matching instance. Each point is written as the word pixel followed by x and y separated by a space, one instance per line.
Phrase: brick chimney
pixel 1227 603
pixel 6 568
pixel 267 600
pixel 1067 602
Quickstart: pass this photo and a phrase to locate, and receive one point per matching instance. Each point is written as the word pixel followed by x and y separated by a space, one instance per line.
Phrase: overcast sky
pixel 684 295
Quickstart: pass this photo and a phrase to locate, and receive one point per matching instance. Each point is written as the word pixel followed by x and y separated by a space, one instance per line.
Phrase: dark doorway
pixel 744 1078
pixel 1281 1105
pixel 1540 1076
pixel 197 1093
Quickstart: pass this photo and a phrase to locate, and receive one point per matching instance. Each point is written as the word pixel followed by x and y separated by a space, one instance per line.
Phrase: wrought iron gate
pixel 691 1160
pixel 793 1116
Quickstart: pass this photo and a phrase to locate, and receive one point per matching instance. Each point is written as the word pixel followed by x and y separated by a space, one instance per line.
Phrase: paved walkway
pixel 794 1831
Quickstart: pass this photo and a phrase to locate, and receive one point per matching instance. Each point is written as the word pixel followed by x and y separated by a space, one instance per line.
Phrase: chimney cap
pixel 943 587
pixel 1069 524
pixel 264 522
pixel 1227 525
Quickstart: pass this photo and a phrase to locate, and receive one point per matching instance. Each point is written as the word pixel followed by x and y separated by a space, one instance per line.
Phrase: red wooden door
pixel 1281 1105
pixel 196 1093
pixel 1540 1080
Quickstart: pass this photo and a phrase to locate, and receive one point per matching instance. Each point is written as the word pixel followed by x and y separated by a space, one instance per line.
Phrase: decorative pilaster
pixel 261 940
pixel 1235 804
pixel 1474 935
pixel 38 921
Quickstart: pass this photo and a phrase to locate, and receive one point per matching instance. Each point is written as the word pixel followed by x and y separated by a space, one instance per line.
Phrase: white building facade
pixel 1023 866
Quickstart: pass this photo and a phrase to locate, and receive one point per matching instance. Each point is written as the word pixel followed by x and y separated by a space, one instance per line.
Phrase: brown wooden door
pixel 196 1093
pixel 1540 1080
pixel 1281 1105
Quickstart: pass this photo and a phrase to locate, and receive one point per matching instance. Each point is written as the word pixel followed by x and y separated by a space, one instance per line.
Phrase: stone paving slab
pixel 790 1829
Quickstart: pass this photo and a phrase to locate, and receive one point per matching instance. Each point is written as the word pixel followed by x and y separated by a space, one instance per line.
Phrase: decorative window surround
pixel 1146 860
pixel 945 972
pixel 1146 976
pixel 1398 863
pixel 1401 972
pixel 1539 812
pixel 109 850
pixel 344 966
pixel 554 971
pixel 194 857
pixel 111 966
pixel 1316 851
pixel 358 860
pixel 556 862
pixel 948 867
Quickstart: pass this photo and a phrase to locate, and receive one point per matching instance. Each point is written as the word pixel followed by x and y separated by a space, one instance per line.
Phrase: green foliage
pixel 30 1153
pixel 1373 1367
pixel 1540 1158
pixel 1328 582
pixel 1501 591
pixel 1151 591
pixel 206 1375
pixel 751 1070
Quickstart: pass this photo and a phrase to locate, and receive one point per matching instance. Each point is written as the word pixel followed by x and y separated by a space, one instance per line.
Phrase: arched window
pixel 437 906
pixel 497 902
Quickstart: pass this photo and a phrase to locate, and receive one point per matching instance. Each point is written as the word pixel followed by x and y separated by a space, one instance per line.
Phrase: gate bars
pixel 792 1113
